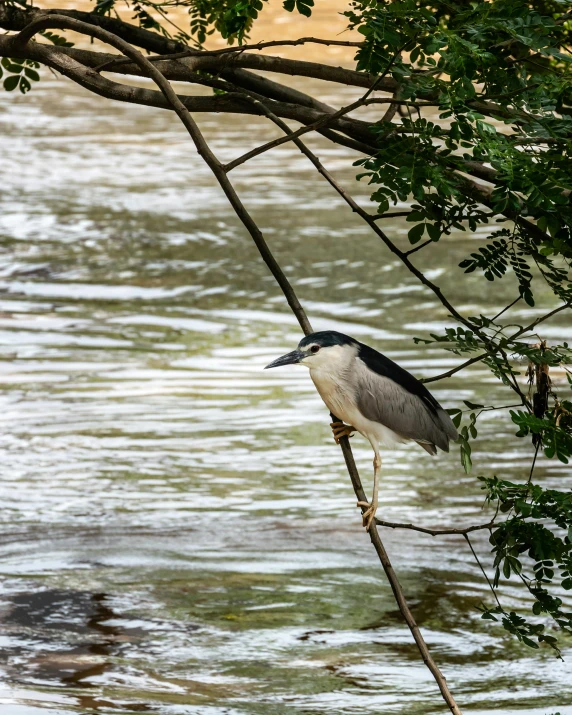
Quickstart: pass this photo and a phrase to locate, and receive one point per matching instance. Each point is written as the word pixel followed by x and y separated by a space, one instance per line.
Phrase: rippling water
pixel 179 534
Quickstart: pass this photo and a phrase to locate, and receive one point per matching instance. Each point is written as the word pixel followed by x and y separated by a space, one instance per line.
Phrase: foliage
pixel 534 544
pixel 500 74
pixel 232 19
pixel 18 74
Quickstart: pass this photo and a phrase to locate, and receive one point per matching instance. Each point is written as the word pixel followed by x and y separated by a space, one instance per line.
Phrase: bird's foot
pixel 341 430
pixel 369 514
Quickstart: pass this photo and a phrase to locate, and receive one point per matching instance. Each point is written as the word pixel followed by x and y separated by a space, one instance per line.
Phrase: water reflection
pixel 179 534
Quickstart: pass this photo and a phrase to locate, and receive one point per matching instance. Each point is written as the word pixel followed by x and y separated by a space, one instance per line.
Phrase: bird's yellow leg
pixel 341 430
pixel 369 514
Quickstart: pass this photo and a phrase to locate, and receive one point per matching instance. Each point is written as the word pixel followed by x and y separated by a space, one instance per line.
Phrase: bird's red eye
pixel 314 348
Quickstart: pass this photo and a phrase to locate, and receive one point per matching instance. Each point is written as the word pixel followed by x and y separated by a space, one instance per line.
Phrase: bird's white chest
pixel 335 392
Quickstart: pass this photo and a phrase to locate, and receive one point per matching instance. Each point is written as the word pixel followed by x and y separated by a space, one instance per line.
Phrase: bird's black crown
pixel 326 339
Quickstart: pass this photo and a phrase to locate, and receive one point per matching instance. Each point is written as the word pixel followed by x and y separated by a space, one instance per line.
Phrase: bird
pixel 372 395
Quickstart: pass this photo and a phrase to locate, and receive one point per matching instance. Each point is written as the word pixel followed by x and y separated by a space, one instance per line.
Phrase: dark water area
pixel 179 534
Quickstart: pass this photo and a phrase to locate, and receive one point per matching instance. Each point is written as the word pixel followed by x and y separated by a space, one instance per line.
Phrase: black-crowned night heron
pixel 373 396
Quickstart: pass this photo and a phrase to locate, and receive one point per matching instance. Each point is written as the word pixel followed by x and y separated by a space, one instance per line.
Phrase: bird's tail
pixel 447 424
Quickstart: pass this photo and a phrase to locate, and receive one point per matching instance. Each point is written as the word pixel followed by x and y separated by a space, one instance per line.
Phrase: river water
pixel 179 534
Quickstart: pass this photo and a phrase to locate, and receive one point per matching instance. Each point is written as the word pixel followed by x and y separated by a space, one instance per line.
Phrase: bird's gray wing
pixel 383 400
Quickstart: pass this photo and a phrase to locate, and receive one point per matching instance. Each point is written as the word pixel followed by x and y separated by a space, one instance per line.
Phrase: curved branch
pixel 299 68
pixel 62 60
pixel 13 18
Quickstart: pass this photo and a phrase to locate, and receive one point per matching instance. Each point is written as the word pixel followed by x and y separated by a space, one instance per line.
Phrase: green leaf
pixel 10 83
pixel 25 85
pixel 416 233
pixel 32 74
pixel 530 643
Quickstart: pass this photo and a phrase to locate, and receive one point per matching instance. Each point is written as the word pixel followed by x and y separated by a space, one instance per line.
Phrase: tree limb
pixel 87 77
pixel 16 19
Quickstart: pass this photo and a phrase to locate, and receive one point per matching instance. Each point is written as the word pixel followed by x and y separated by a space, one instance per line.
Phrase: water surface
pixel 179 534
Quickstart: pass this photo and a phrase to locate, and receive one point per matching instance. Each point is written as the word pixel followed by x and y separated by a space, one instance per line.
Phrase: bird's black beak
pixel 289 359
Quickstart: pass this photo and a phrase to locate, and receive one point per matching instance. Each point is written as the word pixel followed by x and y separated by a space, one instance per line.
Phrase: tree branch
pixel 93 81
pixel 15 19
pixel 63 60
pixel 435 532
pixel 542 318
pixel 454 370
pixel 371 221
pixel 288 103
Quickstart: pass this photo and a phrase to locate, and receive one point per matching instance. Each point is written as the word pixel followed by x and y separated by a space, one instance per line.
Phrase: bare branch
pixel 436 532
pixel 466 536
pixel 419 246
pixel 507 307
pixel 542 318
pixel 191 52
pixel 286 43
pixel 312 127
pixel 390 214
pixel 454 370
pixel 63 60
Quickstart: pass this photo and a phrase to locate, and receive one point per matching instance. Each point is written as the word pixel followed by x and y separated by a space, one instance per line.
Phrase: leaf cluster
pixel 501 75
pixel 535 538
pixel 231 19
pixel 18 74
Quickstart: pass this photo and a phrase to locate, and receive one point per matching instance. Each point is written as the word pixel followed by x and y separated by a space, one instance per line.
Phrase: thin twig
pixel 419 247
pixel 390 214
pixel 454 370
pixel 284 43
pixel 508 307
pixel 466 536
pixel 533 465
pixel 435 532
pixel 190 52
pixel 542 318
